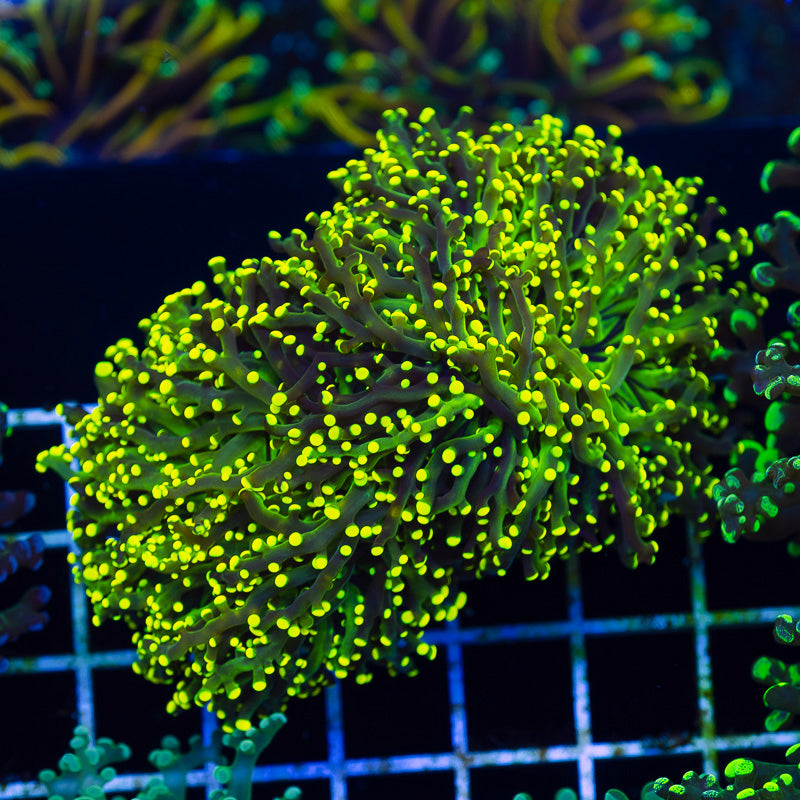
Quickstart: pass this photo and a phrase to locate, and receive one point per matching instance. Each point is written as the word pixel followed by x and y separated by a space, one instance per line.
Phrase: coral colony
pixel 156 77
pixel 290 479
pixel 498 346
pixel 630 63
pixel 488 349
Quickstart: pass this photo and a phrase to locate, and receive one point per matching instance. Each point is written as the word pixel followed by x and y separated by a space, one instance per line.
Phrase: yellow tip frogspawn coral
pixel 490 349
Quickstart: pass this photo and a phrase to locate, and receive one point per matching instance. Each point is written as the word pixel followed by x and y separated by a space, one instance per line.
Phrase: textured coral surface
pixel 490 349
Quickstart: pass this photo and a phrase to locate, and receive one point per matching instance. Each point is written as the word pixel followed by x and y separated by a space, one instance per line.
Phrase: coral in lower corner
pixel 742 777
pixel 88 769
pixel 749 777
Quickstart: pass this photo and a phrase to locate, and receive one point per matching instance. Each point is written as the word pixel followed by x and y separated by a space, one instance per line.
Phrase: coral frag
pixel 88 767
pixel 491 349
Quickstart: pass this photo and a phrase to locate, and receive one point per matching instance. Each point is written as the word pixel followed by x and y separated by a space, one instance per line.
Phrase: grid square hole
pixel 642 686
pixel 402 786
pixel 518 695
pixel 540 781
pixel 398 715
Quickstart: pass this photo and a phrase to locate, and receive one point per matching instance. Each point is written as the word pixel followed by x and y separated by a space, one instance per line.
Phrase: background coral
pixel 629 62
pixel 27 613
pixel 112 80
pixel 286 483
pixel 765 505
pixel 121 80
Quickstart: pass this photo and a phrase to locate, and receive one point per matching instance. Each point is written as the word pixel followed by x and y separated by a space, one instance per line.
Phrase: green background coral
pixel 629 62
pixel 121 81
pixel 764 505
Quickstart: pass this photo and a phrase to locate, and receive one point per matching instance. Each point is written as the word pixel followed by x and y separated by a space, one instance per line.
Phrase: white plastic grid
pixel 586 752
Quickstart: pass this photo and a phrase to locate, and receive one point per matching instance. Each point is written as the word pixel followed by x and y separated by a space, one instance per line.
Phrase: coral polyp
pixel 490 350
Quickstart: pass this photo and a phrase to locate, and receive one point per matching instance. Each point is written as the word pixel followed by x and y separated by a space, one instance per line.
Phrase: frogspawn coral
pixel 630 62
pixel 124 80
pixel 489 350
pixel 764 504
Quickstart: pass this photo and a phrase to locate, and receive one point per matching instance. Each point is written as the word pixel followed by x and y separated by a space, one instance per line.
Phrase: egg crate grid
pixel 599 677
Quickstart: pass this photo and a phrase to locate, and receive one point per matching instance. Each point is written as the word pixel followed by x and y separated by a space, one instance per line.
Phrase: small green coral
pixel 84 773
pixel 491 349
pixel 742 778
pixel 86 770
pixel 783 680
pixel 749 777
